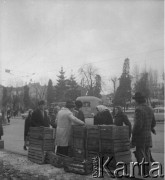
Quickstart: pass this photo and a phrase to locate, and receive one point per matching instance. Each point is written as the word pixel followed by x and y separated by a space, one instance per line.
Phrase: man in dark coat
pixel 78 112
pixel 39 116
pixel 144 122
pixel 120 118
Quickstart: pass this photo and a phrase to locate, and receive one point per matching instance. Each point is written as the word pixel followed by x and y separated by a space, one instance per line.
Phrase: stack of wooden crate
pixel 41 139
pixel 115 143
pixel 109 140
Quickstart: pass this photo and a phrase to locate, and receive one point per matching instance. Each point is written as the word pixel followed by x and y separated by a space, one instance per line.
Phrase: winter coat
pixel 103 117
pixel 79 114
pixel 120 119
pixel 27 126
pixel 65 119
pixel 144 122
pixel 38 120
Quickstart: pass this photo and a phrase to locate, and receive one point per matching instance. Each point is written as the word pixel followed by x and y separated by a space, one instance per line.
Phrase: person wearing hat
pixel 144 122
pixel 40 116
pixel 65 119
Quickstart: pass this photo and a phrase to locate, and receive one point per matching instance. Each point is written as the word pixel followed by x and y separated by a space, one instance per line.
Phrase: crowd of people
pixel 63 118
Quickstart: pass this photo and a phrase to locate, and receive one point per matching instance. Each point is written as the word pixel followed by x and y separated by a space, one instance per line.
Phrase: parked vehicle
pixel 159 113
pixel 89 105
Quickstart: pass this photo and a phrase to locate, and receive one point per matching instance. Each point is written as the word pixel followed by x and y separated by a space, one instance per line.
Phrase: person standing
pixel 65 119
pixel 144 123
pixel 26 128
pixel 103 116
pixel 120 118
pixel 40 116
pixel 78 112
pixel 8 115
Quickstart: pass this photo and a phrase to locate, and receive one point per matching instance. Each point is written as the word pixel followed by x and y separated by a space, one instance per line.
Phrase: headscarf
pixel 101 108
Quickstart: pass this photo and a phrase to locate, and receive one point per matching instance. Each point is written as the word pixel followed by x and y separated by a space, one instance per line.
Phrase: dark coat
pixel 120 119
pixel 79 114
pixel 103 117
pixel 27 126
pixel 38 120
pixel 144 122
pixel 1 127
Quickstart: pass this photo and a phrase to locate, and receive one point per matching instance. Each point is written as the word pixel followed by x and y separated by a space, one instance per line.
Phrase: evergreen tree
pixel 50 92
pixel 143 85
pixel 97 87
pixel 26 97
pixel 123 93
pixel 72 92
pixel 61 87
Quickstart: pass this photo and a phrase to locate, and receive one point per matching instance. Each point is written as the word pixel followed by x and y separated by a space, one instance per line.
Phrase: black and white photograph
pixel 81 89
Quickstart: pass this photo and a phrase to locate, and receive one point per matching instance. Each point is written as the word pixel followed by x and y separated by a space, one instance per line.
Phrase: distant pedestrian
pixel 8 115
pixel 78 112
pixel 103 116
pixel 26 129
pixel 65 119
pixel 120 118
pixel 40 116
pixel 144 123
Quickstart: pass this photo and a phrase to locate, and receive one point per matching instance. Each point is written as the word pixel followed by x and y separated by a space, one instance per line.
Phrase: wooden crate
pixel 118 157
pixel 36 156
pixel 93 131
pixel 1 144
pixel 45 144
pixel 77 166
pixel 78 131
pixel 93 144
pixel 55 160
pixel 114 145
pixel 78 142
pixel 79 153
pixel 42 133
pixel 114 132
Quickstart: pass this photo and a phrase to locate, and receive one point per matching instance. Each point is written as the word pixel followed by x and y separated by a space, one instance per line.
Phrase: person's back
pixel 39 116
pixel 78 112
pixel 121 119
pixel 103 117
pixel 144 115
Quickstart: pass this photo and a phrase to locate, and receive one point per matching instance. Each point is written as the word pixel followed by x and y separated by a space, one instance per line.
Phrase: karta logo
pixel 102 164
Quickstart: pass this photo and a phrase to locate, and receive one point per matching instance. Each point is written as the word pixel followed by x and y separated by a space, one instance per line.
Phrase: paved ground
pixel 14 139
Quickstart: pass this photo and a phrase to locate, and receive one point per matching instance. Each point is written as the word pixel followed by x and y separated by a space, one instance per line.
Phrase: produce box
pixel 115 145
pixel 45 144
pixel 114 132
pixel 55 160
pixel 76 166
pixel 42 133
pixel 36 156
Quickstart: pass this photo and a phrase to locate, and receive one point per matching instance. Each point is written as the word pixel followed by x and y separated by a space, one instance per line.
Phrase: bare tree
pixel 114 81
pixel 88 74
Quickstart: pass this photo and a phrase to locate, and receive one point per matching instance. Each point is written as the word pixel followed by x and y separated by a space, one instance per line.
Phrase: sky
pixel 38 37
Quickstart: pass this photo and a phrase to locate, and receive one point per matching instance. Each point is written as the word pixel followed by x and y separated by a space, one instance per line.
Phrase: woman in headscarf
pixel 120 119
pixel 103 116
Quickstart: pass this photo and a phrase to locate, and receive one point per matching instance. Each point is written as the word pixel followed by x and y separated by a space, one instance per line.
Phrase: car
pixel 159 113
